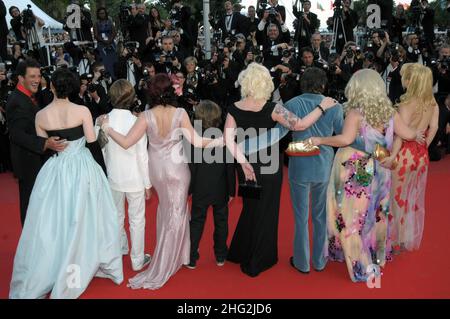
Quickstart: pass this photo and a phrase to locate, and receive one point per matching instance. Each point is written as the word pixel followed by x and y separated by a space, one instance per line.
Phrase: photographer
pixel 307 24
pixel 272 17
pixel 105 34
pixel 273 45
pixel 441 72
pixel 349 19
pixel 321 52
pixel 413 51
pixel 428 23
pixel 16 23
pixel 87 60
pixel 138 27
pixel 169 59
pixel 181 44
pixel 84 32
pixel 129 65
pixel 252 18
pixel 352 59
pixel 338 77
pixel 91 95
pixel 231 23
pixel 391 74
pixel 398 24
pixel 148 73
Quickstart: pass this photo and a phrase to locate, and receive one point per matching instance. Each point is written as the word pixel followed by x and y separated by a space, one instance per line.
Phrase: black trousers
pixel 25 188
pixel 197 223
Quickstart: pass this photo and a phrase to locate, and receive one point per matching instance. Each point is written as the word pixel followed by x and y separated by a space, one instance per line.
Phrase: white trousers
pixel 136 219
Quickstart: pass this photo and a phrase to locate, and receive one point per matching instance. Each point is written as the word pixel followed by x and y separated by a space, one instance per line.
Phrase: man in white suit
pixel 128 173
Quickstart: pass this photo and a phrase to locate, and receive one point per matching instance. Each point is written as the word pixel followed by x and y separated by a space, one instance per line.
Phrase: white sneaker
pixel 147 260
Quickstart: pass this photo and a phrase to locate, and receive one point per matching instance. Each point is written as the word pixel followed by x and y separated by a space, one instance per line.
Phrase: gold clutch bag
pixel 381 152
pixel 302 148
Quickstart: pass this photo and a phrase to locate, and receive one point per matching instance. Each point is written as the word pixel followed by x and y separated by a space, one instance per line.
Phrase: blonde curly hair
pixel 256 82
pixel 420 86
pixel 366 92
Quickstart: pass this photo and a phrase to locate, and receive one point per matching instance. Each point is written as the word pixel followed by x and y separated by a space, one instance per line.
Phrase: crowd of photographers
pixel 142 44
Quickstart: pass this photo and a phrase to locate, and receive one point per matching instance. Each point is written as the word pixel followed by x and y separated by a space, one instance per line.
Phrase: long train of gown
pixel 71 233
pixel 170 177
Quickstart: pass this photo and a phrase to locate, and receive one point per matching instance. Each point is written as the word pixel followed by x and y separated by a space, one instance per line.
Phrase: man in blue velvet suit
pixel 309 176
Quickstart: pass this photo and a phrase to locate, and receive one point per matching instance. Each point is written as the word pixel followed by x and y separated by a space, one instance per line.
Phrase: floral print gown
pixel 358 205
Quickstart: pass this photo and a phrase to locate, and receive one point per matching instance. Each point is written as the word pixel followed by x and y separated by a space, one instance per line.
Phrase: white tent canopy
pixel 22 5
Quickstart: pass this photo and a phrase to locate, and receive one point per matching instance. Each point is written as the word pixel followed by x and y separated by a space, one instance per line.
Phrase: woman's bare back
pixel 419 117
pixel 164 118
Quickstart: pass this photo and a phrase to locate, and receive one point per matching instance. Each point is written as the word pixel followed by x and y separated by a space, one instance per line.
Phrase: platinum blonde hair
pixel 366 92
pixel 256 82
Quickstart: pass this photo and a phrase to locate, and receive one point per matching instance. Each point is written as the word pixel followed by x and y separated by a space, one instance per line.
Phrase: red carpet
pixel 421 274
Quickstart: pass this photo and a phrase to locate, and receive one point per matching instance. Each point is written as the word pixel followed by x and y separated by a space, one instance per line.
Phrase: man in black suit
pixel 170 60
pixel 321 52
pixel 26 147
pixel 273 46
pixel 3 31
pixel 307 24
pixel 252 18
pixel 232 23
pixel 16 23
pixel 350 21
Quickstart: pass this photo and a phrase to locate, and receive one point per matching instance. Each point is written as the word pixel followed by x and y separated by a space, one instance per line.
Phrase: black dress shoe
pixel 291 261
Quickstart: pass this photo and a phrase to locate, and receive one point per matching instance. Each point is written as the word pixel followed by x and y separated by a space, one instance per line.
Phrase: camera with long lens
pixel 264 6
pixel 28 18
pixel 209 75
pixel 191 93
pixel 286 53
pixel 444 63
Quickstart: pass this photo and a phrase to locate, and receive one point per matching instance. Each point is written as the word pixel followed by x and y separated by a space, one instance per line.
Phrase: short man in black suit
pixel 321 52
pixel 26 147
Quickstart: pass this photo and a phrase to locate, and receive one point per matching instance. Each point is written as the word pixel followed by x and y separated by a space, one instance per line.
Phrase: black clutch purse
pixel 252 190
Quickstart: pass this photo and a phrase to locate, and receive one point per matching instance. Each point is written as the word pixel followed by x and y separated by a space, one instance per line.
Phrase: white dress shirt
pixel 128 170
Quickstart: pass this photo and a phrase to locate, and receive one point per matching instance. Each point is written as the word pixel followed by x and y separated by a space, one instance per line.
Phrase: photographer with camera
pixel 428 23
pixel 92 95
pixel 83 33
pixel 321 52
pixel 253 20
pixel 105 34
pixel 129 65
pixel 138 27
pixel 413 50
pixel 273 45
pixel 391 74
pixel 16 23
pixel 87 60
pixel 307 24
pixel 338 77
pixel 169 59
pixel 349 18
pixel 441 71
pixel 181 44
pixel 148 73
pixel 352 59
pixel 270 16
pixel 398 24
pixel 231 23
